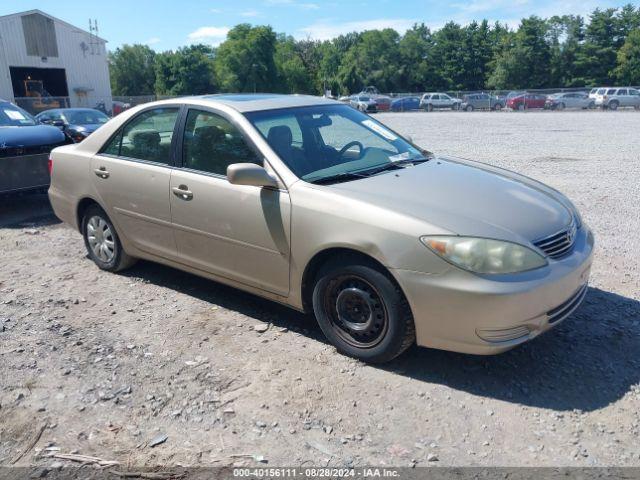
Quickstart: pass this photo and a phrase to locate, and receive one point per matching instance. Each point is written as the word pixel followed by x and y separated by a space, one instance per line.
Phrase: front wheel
pixel 362 312
pixel 102 241
pixel 613 105
pixel 469 108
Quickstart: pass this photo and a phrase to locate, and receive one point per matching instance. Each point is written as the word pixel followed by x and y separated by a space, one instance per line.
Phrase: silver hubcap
pixel 101 239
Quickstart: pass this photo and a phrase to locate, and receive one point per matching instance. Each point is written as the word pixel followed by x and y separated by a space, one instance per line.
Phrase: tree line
pixel 561 51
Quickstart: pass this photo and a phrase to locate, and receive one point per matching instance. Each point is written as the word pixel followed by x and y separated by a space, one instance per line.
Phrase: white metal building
pixel 46 62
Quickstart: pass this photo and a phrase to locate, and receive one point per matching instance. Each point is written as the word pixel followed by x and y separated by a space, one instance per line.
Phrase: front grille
pixel 558 245
pixel 565 309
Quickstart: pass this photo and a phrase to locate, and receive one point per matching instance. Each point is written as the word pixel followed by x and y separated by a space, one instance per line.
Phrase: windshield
pixel 13 116
pixel 85 117
pixel 324 141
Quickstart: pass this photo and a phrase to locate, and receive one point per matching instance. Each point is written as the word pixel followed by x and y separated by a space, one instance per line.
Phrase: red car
pixel 384 103
pixel 526 101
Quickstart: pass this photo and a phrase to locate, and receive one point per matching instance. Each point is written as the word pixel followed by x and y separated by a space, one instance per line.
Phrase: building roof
pixel 252 102
pixel 55 19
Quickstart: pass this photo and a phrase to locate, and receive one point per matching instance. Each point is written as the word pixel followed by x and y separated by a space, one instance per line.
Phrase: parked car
pixel 364 104
pixel 612 98
pixel 405 104
pixel 383 103
pixel 24 150
pixel 370 90
pixel 318 206
pixel 433 101
pixel 481 101
pixel 526 101
pixel 560 101
pixel 76 123
pixel 119 107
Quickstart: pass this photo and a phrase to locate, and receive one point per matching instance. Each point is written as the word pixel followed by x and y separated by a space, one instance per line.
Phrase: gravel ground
pixel 108 365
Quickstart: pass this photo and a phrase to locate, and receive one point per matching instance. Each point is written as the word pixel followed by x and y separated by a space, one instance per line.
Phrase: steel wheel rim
pixel 101 239
pixel 356 311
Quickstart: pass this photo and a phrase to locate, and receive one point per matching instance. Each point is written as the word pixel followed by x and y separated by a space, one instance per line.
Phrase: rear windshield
pixel 13 116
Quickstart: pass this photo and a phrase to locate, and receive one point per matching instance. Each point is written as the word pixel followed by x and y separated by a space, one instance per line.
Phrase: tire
pixel 113 259
pixel 521 107
pixel 591 106
pixel 613 105
pixel 469 108
pixel 344 293
pixel 497 106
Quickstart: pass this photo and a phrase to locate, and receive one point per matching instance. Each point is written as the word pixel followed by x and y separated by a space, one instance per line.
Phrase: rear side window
pixel 634 92
pixel 147 137
pixel 622 91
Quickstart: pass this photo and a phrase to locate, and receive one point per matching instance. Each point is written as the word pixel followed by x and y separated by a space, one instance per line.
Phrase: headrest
pixel 148 138
pixel 280 136
pixel 210 133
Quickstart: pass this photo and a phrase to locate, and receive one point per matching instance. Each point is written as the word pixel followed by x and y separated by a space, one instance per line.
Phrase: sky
pixel 169 24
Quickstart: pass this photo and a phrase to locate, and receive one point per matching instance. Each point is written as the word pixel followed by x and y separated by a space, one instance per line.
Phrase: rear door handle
pixel 182 192
pixel 101 172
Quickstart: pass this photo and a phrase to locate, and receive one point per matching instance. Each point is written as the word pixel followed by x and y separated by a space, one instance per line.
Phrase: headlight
pixel 483 255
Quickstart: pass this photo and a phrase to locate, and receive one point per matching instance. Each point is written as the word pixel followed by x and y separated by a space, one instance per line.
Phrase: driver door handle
pixel 182 192
pixel 101 172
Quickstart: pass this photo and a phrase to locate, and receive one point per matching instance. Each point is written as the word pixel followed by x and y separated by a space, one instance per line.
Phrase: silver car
pixel 560 101
pixel 313 204
pixel 613 98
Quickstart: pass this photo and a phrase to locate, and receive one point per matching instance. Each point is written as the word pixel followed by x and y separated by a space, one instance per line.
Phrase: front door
pixel 131 176
pixel 234 231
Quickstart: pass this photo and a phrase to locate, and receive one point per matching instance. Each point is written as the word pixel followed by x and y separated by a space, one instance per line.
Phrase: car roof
pixel 253 102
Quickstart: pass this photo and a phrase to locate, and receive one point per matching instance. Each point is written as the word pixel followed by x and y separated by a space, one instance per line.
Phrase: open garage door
pixel 38 89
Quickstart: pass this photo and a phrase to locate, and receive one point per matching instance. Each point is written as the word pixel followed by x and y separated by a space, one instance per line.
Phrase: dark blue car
pixel 24 150
pixel 404 104
pixel 76 123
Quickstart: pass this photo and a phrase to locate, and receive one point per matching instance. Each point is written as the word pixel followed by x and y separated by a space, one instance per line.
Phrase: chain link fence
pixel 466 100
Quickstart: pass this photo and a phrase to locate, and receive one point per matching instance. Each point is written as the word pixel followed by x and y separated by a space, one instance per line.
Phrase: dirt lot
pixel 109 363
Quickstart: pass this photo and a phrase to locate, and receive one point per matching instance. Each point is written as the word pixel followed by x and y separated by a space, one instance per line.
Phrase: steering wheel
pixel 344 149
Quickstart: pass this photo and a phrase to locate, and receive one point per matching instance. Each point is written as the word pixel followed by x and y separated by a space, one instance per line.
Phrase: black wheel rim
pixel 356 311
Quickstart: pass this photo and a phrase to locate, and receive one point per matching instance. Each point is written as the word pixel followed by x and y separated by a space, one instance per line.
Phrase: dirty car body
pixel 315 205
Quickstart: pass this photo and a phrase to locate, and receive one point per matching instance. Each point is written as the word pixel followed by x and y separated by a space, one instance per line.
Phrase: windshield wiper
pixel 394 165
pixel 338 177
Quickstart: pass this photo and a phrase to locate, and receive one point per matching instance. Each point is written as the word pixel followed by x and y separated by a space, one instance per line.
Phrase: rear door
pixel 132 174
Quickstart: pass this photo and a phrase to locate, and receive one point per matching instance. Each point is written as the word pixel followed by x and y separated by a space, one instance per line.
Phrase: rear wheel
pixel 362 312
pixel 102 241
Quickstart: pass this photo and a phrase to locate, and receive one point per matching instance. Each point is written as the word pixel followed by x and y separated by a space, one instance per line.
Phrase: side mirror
pixel 250 174
pixel 45 121
pixel 57 123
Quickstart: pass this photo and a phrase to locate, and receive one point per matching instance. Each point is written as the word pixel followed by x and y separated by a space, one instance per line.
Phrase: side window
pixel 211 143
pixel 633 92
pixel 113 146
pixel 611 91
pixel 148 136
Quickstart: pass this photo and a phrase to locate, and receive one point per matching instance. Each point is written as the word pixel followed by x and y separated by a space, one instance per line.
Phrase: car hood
pixel 466 198
pixel 30 136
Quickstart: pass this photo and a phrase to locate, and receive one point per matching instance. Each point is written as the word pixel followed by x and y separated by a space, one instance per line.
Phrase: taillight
pixel 50 165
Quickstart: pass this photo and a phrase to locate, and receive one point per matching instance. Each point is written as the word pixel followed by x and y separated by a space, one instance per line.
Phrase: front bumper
pixel 477 314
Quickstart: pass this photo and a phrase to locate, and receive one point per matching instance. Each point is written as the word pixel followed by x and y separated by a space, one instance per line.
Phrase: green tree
pixel 245 62
pixel 132 70
pixel 628 69
pixel 373 60
pixel 524 63
pixel 293 75
pixel 187 71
